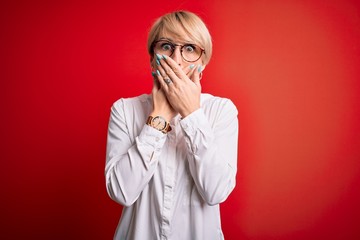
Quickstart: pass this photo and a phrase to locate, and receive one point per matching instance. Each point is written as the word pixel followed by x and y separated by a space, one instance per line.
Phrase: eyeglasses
pixel 189 52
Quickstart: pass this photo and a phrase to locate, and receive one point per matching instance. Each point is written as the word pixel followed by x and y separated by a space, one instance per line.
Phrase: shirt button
pixel 157 139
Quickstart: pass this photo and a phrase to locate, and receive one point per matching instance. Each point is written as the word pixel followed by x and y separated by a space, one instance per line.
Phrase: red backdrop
pixel 291 68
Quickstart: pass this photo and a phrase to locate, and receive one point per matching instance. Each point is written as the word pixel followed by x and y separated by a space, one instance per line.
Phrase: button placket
pixel 168 186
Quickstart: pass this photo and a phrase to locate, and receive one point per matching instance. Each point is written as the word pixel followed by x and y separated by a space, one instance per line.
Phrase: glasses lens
pixel 191 52
pixel 164 48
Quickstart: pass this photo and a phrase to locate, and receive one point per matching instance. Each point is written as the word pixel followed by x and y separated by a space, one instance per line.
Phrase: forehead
pixel 176 35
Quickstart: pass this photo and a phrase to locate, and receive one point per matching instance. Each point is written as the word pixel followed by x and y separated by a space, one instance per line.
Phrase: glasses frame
pixel 181 48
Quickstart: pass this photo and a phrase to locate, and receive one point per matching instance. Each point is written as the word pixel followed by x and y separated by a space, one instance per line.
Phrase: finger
pixel 161 81
pixel 165 74
pixel 189 70
pixel 196 76
pixel 156 81
pixel 171 68
pixel 168 77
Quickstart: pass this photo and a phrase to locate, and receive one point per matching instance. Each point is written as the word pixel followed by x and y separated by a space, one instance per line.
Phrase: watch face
pixel 158 123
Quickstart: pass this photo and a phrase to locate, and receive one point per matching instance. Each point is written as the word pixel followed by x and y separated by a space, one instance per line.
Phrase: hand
pixel 161 106
pixel 184 90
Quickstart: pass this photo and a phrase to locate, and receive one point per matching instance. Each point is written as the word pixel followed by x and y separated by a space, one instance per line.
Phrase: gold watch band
pixel 159 123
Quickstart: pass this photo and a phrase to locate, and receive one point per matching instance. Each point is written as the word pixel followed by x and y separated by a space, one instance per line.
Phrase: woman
pixel 171 156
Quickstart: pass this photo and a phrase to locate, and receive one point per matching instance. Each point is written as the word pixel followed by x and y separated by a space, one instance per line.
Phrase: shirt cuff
pixel 195 121
pixel 152 137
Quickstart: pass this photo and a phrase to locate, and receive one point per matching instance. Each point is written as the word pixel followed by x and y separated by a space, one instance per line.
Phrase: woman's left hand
pixel 182 90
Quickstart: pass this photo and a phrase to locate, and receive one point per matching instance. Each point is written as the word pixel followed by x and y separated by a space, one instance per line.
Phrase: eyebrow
pixel 170 40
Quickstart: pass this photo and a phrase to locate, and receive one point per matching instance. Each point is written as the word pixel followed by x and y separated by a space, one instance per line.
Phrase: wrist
pixel 159 123
pixel 184 114
pixel 163 114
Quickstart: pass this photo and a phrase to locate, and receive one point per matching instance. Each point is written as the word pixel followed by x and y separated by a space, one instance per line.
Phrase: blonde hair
pixel 177 22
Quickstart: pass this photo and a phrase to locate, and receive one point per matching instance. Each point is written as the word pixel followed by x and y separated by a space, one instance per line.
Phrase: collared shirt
pixel 171 184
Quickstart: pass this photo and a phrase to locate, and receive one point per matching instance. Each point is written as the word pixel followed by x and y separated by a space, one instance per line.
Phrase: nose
pixel 176 56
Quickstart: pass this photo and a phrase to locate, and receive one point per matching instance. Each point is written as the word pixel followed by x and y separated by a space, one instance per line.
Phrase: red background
pixel 291 68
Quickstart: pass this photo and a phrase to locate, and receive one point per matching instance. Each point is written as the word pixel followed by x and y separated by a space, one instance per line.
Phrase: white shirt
pixel 171 184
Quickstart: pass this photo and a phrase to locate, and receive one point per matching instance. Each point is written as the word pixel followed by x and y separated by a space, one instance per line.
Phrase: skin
pixel 182 95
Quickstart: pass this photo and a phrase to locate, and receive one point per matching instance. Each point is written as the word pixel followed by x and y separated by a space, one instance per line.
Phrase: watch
pixel 159 123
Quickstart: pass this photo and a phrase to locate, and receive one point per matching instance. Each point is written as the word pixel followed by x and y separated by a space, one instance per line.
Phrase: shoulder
pixel 131 102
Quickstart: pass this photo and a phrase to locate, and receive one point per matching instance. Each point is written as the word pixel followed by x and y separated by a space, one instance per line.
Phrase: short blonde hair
pixel 179 21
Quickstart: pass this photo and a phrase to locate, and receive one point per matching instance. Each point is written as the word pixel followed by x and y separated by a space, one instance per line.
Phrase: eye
pixel 166 47
pixel 189 48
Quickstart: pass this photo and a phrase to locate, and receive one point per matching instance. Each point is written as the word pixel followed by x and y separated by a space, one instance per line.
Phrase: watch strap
pixel 165 130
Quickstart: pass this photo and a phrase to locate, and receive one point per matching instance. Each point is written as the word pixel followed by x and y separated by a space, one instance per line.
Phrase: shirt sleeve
pixel 212 150
pixel 130 164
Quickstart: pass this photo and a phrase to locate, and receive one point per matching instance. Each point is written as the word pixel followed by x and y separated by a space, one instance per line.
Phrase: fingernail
pixel 158 56
pixel 192 66
pixel 199 68
pixel 158 72
pixel 164 56
pixel 157 62
pixel 153 74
